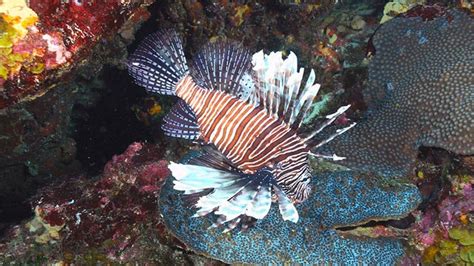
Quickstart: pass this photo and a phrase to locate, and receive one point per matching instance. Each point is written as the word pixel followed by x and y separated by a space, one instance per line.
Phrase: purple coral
pixel 420 93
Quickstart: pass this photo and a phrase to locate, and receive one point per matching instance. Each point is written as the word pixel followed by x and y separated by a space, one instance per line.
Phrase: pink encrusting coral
pixel 48 39
pixel 445 234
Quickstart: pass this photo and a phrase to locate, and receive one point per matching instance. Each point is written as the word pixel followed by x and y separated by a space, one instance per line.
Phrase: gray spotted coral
pixel 420 93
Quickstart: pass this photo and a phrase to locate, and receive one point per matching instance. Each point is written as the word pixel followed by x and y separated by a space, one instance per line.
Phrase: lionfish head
pixel 294 177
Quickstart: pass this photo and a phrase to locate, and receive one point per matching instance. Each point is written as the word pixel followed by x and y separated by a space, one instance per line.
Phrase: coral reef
pixel 397 7
pixel 112 219
pixel 37 138
pixel 339 199
pixel 419 93
pixel 43 42
pixel 109 218
pixel 445 234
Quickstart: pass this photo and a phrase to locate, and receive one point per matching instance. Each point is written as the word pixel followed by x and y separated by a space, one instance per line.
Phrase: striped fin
pixel 260 206
pixel 287 209
pixel 198 178
pixel 313 143
pixel 253 200
pixel 223 66
pixel 213 158
pixel 158 63
pixel 181 122
pixel 221 195
pixel 237 205
pixel 232 195
pixel 278 83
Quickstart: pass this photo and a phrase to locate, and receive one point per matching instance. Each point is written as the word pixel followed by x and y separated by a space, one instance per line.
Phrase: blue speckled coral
pixel 341 198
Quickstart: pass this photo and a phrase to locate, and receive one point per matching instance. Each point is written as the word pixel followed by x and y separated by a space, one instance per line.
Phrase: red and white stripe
pixel 247 135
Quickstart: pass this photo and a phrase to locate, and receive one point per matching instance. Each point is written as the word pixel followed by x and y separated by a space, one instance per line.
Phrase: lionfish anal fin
pixel 181 122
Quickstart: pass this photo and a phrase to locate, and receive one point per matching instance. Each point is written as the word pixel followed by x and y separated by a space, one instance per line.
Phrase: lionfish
pixel 246 111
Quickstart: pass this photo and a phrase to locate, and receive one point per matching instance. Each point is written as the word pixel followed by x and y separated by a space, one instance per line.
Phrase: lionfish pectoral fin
pixel 287 208
pixel 181 122
pixel 223 66
pixel 212 157
pixel 231 196
pixel 253 200
pixel 260 206
pixel 159 62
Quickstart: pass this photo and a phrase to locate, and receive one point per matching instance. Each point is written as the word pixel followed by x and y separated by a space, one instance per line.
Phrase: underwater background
pixel 83 161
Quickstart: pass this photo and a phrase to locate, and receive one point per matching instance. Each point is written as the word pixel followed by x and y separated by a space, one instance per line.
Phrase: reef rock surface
pixel 420 93
pixel 45 41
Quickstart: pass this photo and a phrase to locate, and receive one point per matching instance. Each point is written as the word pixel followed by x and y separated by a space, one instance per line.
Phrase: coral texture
pixel 90 221
pixel 420 93
pixel 445 235
pixel 341 198
pixel 47 40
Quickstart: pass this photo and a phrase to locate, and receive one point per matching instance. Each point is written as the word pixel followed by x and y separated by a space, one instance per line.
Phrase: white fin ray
pixel 190 177
pixel 260 206
pixel 287 208
pixel 306 99
pixel 337 133
pixel 219 196
pixel 278 87
pixel 330 118
pixel 237 205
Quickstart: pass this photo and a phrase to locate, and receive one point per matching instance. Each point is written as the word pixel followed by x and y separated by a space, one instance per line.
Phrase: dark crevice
pixel 403 223
pixel 109 126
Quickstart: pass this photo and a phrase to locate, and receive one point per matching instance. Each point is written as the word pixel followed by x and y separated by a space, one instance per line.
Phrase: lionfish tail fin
pixel 232 196
pixel 279 87
pixel 159 63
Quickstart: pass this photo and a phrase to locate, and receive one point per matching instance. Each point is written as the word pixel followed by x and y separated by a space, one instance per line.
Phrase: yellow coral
pixel 241 12
pixel 15 19
pixel 46 232
pixel 429 254
pixel 155 109
pixel 17 14
pixel 3 72
pixel 397 7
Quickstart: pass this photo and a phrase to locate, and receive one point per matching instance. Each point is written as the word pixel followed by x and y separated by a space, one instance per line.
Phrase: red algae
pixel 63 36
pixel 107 215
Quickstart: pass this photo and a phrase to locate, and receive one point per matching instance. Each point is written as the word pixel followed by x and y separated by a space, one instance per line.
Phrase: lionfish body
pixel 248 111
pixel 248 136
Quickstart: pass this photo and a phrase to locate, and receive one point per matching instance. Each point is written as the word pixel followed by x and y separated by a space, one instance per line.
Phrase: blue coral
pixel 339 199
pixel 420 93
